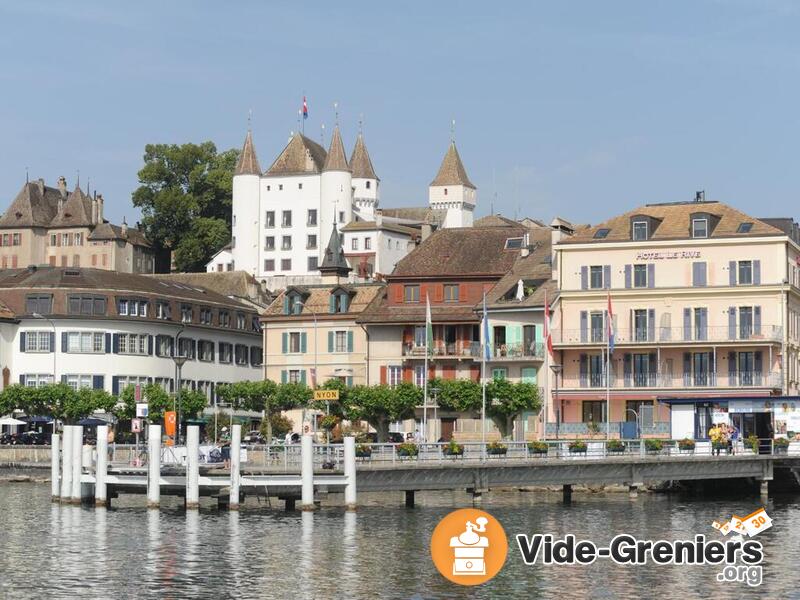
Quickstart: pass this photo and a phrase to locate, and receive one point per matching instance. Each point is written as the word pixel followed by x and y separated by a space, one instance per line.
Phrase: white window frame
pixel 394 375
pixel 79 381
pixel 419 375
pixel 37 379
pixel 646 230
pixel 85 342
pixel 695 222
pixel 340 341
pixel 37 341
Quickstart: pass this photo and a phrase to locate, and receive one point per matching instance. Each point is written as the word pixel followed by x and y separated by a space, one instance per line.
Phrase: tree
pixel 185 197
pixel 56 400
pixel 461 395
pixel 506 400
pixel 379 405
pixel 266 396
pixel 157 399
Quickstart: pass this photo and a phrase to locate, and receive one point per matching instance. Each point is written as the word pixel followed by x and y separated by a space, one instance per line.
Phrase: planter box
pixel 615 450
pixel 449 453
pixel 780 449
pixel 363 454
pixel 496 451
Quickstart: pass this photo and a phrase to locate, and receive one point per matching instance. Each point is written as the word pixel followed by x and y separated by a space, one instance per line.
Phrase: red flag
pixel 305 108
pixel 547 337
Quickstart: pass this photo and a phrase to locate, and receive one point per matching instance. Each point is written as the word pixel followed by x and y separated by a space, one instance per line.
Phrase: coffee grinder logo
pixel 469 546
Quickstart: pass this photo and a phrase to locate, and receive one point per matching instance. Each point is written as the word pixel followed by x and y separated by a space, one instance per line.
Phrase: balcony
pixel 735 379
pixel 442 349
pixel 669 335
pixel 512 352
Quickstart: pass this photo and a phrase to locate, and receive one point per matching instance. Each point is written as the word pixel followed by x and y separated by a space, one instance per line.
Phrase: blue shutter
pixel 330 341
pixel 628 269
pixel 303 340
pixel 651 324
pixel 699 274
pixel 64 379
pixel 115 343
pixel 607 277
pixel 286 305
pixel 284 343
pixel 115 386
pixel 150 345
pixel 303 376
pixel 345 303
pixel 584 326
pixel 757 320
pixel 687 324
pixel 108 343
pixel 584 278
pixel 731 368
pixel 52 341
pixel 98 382
pixel 349 341
pixel 732 272
pixel 284 376
pixel 63 341
pixel 756 272
pixel 627 363
pixel 21 379
pixel 22 342
pixel 350 381
pixel 332 303
pixel 687 368
pixel 731 322
pixel 703 314
pixel 651 275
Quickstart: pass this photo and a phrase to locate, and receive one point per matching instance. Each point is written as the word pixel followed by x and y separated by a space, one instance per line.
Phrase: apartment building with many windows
pixel 705 305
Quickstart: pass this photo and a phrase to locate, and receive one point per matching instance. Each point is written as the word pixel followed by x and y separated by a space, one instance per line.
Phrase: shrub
pixel 363 450
pixel 578 446
pixel 407 449
pixel 653 445
pixel 453 448
pixel 615 446
pixel 496 448
pixel 781 443
pixel 686 444
pixel 538 447
pixel 752 443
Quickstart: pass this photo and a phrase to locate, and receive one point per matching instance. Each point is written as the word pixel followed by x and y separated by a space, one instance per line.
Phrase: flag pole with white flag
pixel 548 357
pixel 609 351
pixel 484 356
pixel 428 348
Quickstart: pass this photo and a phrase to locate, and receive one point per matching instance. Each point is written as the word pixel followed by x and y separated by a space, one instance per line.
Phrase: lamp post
pixel 556 368
pixel 176 400
pixel 316 371
pixel 435 393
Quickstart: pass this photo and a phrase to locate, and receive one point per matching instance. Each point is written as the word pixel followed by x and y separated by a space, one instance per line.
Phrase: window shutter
pixel 286 305
pixel 115 386
pixel 52 341
pixel 703 324
pixel 607 277
pixel 653 368
pixel 699 274
pixel 756 320
pixel 628 270
pixel 284 342
pixel 651 324
pixel 303 376
pixel 115 343
pixel 64 379
pixel 687 368
pixel 303 342
pixel 345 303
pixel 21 379
pixel 349 341
pixel 584 326
pixel 349 381
pixel 108 343
pixel 584 367
pixel 408 375
pixel 627 368
pixel 22 341
pixel 438 293
pixel 732 368
pixel 98 382
pixel 758 364
pixel 731 322
pixel 150 345
pixel 383 375
pixel 330 341
pixel 63 341
pixel 687 324
pixel 756 272
pixel 651 275
pixel 732 272
pixel 584 278
pixel 398 292
pixel 332 303
pixel 284 376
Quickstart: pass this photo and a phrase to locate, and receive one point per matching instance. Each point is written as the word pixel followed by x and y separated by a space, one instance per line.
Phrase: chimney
pixel 526 248
pixel 124 227
pixel 62 186
pixel 94 209
pixel 378 219
pixel 99 209
pixel 427 230
pixel 40 184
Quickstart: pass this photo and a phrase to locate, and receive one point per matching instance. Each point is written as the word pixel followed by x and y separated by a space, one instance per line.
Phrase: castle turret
pixel 336 191
pixel 365 181
pixel 334 268
pixel 246 200
pixel 452 191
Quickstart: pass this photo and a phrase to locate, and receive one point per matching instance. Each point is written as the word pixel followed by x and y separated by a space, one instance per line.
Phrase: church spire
pixel 452 171
pixel 336 159
pixel 248 162
pixel 334 263
pixel 360 161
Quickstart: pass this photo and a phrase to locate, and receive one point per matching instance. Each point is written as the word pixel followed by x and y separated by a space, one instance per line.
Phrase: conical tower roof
pixel 452 171
pixel 336 159
pixel 77 211
pixel 360 161
pixel 248 162
pixel 334 262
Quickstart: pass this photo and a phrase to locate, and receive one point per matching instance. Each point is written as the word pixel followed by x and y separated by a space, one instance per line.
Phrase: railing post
pixel 77 463
pixel 192 467
pixel 55 464
pixel 236 456
pixel 307 473
pixel 153 466
pixel 102 466
pixel 66 465
pixel 350 472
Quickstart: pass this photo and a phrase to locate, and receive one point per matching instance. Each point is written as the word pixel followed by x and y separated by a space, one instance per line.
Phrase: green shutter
pixel 330 341
pixel 303 376
pixel 284 376
pixel 284 342
pixel 345 303
pixel 332 303
pixel 529 375
pixel 349 341
pixel 303 342
pixel 286 305
pixel 350 381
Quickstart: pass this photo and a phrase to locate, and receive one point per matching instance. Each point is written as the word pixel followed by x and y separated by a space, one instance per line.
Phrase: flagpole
pixel 428 336
pixel 609 333
pixel 485 332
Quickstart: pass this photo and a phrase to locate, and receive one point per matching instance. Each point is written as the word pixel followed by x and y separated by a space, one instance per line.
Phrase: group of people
pixel 723 435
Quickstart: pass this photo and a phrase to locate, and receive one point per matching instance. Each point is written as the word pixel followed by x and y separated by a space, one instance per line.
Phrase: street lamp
pixel 434 392
pixel 316 371
pixel 176 400
pixel 556 368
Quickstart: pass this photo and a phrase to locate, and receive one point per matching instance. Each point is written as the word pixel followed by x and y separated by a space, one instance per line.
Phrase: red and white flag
pixel 548 339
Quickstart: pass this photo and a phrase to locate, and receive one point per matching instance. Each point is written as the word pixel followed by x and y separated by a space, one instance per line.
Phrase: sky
pixel 578 109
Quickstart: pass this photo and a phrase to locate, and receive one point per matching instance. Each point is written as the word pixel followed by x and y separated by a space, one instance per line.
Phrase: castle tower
pixel 365 181
pixel 452 191
pixel 245 217
pixel 336 191
pixel 334 268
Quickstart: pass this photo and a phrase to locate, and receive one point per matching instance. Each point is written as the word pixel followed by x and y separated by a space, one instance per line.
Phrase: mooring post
pixel 77 463
pixel 55 465
pixel 192 467
pixel 66 465
pixel 567 491
pixel 101 470
pixel 409 498
pixel 307 473
pixel 350 472
pixel 633 490
pixel 764 489
pixel 153 466
pixel 236 462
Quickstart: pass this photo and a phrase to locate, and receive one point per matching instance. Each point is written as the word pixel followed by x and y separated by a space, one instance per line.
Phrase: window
pixel 16 239
pixel 313 263
pixel 206 316
pixel 596 277
pixel 311 221
pixel 419 375
pixel 187 348
pixel 53 239
pixel 127 307
pixel 643 409
pixel 41 305
pixel 205 350
pixel 640 276
pixel 77 382
pixel 597 324
pixel 280 187
pixel 451 292
pixel 299 186
pixel 269 242
pixel 699 228
pixel 286 218
pixel 286 242
pixel 134 343
pixel 269 187
pixel 163 310
pixel 224 318
pixel 341 216
pixel 225 352
pixel 419 336
pixel 340 341
pixel 187 314
pixel 295 376
pixel 256 356
pixel 339 303
pixel 367 243
pixel 500 373
pixel 269 264
pixel 640 230
pixel 37 380
pixel 85 342
pixel 745 272
pixel 368 184
pixel 593 411
pixel 311 242
pixel 286 264
pixel 79 239
pixel 745 322
pixel 354 243
pixel 744 228
pixel 411 293
pixel 640 325
pixel 701 324
pixel 255 324
pixel 269 219
pixel 66 240
pixel 38 341
pixel 86 305
pixel 242 354
pixel 241 321
pixel 601 234
pixel 514 243
pixel 394 375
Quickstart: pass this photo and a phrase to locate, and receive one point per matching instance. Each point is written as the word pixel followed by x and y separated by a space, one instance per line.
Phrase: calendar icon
pixel 756 522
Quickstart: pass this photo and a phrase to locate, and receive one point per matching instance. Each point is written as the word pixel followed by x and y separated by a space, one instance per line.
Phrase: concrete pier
pixel 192 467
pixel 66 465
pixel 77 463
pixel 350 472
pixel 567 492
pixel 236 458
pixel 307 473
pixel 409 498
pixel 101 469
pixel 764 489
pixel 153 466
pixel 55 465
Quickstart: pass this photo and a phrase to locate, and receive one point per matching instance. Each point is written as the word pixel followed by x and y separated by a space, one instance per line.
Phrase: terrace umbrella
pixel 92 422
pixel 11 421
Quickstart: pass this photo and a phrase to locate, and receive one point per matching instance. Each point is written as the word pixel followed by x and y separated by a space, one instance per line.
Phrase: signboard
pixel 142 410
pixel 326 394
pixel 136 425
pixel 169 422
pixel 667 254
pixel 137 392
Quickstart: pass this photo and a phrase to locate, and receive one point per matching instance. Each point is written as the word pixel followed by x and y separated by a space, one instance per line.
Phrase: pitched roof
pixel 236 284
pixel 452 171
pixel 496 221
pixel 248 162
pixel 360 161
pixel 380 311
pixel 336 159
pixel 372 226
pixel 673 222
pixel 5 312
pixel 107 231
pixel 334 260
pixel 301 155
pixel 76 212
pixel 317 300
pixel 34 206
pixel 535 271
pixel 461 251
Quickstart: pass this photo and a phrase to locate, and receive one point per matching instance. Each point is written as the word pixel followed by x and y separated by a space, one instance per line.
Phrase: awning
pixel 37 419
pixel 92 422
pixel 11 421
pixel 717 399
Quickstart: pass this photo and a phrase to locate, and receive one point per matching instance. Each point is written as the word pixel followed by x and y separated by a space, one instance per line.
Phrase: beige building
pixel 706 308
pixel 46 225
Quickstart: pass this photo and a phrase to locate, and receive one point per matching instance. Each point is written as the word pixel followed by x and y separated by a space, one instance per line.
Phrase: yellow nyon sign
pixel 326 394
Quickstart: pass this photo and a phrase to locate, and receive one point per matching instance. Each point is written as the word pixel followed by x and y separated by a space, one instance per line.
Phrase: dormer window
pixel 640 230
pixel 292 304
pixel 369 184
pixel 514 243
pixel 699 228
pixel 339 302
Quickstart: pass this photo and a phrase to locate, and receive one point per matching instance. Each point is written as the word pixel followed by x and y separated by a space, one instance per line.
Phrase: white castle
pixel 283 218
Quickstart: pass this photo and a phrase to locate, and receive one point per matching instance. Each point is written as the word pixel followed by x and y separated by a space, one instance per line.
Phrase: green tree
pixel 461 395
pixel 379 405
pixel 185 198
pixel 56 400
pixel 506 400
pixel 157 399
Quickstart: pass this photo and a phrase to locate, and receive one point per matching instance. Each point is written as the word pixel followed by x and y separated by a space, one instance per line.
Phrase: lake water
pixel 381 551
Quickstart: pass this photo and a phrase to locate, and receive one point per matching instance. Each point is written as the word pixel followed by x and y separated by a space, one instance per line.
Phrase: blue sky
pixel 582 109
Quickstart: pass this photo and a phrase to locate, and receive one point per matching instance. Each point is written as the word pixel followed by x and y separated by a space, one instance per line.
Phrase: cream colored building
pixel 706 308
